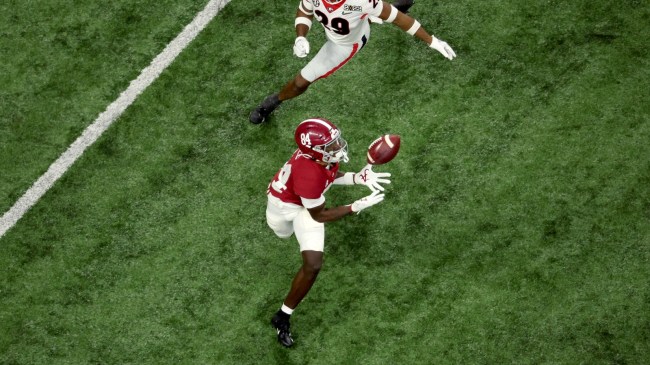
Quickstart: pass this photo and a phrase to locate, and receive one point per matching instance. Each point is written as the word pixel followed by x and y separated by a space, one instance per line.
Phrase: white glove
pixel 369 201
pixel 371 179
pixel 442 47
pixel 301 47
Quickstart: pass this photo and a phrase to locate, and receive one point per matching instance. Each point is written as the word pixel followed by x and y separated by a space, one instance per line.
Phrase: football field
pixel 516 229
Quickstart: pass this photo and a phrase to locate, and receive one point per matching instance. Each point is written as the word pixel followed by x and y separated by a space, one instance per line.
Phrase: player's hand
pixel 301 47
pixel 367 202
pixel 443 47
pixel 371 179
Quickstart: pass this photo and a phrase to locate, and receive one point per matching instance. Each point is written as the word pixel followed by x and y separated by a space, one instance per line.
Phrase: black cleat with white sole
pixel 282 325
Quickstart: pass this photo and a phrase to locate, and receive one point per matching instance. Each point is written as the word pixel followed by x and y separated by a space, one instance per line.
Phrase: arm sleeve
pixel 312 203
pixel 374 8
pixel 345 179
pixel 306 7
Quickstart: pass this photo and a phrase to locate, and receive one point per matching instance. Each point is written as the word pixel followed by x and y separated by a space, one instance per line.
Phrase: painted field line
pixel 112 112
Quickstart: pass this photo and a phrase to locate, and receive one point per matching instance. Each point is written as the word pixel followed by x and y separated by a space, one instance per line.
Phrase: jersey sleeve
pixel 306 7
pixel 308 185
pixel 373 7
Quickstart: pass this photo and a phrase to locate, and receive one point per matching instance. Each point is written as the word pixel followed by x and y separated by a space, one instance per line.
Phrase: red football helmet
pixel 321 139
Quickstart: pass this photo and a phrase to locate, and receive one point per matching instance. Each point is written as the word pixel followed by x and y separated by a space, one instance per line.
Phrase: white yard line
pixel 112 112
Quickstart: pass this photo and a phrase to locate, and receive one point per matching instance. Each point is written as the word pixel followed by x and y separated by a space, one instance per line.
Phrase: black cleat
pixel 403 5
pixel 281 325
pixel 256 116
pixel 267 107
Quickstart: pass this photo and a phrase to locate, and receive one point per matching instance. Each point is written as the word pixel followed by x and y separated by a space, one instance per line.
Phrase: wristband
pixel 393 14
pixel 346 179
pixel 349 178
pixel 414 28
pixel 303 20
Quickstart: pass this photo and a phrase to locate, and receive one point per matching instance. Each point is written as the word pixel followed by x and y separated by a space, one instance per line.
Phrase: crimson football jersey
pixel 345 22
pixel 302 177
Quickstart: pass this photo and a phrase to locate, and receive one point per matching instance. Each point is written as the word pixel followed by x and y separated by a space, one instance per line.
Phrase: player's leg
pixel 305 278
pixel 279 216
pixel 328 60
pixel 311 237
pixel 403 5
pixel 300 286
pixel 292 89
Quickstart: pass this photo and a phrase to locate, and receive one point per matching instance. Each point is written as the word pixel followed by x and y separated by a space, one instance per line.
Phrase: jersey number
pixel 280 184
pixel 338 25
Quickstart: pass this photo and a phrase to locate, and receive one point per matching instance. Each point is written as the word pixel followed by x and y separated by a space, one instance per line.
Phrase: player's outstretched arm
pixel 366 176
pixel 322 214
pixel 303 22
pixel 390 14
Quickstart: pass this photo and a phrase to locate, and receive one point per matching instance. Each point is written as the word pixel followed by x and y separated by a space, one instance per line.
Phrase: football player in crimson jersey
pixel 347 29
pixel 296 204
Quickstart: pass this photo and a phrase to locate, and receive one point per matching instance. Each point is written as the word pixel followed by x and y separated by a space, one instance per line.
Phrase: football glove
pixel 367 202
pixel 443 48
pixel 301 47
pixel 371 179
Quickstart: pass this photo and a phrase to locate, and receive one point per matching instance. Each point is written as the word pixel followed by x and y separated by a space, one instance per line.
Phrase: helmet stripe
pixel 324 122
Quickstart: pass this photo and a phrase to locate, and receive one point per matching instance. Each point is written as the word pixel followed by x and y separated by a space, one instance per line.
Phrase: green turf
pixel 516 230
pixel 63 62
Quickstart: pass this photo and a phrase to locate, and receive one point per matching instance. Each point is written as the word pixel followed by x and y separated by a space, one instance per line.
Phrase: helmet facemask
pixel 334 151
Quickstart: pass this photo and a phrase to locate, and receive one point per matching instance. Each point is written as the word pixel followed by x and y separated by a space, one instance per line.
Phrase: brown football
pixel 383 149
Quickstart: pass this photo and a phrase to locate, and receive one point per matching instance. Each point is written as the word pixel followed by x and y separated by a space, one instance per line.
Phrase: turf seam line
pixel 112 113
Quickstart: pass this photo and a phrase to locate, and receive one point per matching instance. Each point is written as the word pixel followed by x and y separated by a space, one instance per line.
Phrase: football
pixel 383 149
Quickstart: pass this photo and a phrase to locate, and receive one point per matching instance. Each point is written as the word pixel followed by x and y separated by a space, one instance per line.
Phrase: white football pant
pixel 329 59
pixel 286 219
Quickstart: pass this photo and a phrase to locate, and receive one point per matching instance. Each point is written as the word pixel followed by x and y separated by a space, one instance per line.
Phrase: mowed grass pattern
pixel 516 229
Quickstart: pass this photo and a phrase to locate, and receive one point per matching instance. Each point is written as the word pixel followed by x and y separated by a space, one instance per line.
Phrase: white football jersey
pixel 346 21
